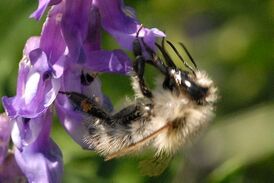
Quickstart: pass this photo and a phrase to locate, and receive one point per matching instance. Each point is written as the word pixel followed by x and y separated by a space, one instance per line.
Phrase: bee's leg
pixel 130 114
pixel 87 105
pixel 155 60
pixel 139 67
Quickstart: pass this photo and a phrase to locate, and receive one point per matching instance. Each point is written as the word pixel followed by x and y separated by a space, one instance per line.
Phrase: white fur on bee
pixel 183 115
pixel 189 116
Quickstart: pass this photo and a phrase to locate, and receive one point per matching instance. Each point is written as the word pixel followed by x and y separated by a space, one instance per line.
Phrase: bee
pixel 163 119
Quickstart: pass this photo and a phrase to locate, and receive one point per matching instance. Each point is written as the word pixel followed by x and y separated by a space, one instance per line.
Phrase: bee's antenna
pixel 168 59
pixel 188 54
pixel 181 58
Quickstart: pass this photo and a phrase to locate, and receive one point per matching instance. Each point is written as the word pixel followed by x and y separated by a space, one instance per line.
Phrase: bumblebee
pixel 163 119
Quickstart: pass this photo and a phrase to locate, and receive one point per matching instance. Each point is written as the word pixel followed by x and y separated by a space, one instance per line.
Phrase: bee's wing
pixel 155 166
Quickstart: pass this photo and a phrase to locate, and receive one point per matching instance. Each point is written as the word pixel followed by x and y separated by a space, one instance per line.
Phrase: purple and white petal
pixel 31 44
pixel 37 86
pixel 26 131
pixel 41 159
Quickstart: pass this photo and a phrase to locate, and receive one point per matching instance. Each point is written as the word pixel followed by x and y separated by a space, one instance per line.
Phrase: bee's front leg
pixel 139 67
pixel 87 105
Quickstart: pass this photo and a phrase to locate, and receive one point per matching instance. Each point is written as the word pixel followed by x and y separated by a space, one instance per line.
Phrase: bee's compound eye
pixel 195 91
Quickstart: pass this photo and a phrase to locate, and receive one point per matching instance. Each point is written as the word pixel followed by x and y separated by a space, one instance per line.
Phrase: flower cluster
pixel 65 57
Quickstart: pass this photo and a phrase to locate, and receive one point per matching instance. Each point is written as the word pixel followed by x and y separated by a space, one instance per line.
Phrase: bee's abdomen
pixel 126 127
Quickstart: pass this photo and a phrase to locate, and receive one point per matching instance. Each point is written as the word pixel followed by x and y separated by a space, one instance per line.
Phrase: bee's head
pixel 184 83
pixel 194 84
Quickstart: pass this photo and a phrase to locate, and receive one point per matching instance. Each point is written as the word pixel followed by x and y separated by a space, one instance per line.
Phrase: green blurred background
pixel 232 40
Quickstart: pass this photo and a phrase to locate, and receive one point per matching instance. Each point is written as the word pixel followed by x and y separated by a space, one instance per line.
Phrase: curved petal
pixel 122 25
pixel 71 120
pixel 43 4
pixel 52 41
pixel 108 61
pixel 41 165
pixel 92 41
pixel 31 44
pixel 41 160
pixel 26 131
pixel 37 14
pixel 75 26
pixel 37 86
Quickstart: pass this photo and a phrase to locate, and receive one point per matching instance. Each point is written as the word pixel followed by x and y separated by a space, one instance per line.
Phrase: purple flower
pixel 121 23
pixel 37 85
pixel 9 170
pixel 66 57
pixel 116 18
pixel 37 158
pixel 36 154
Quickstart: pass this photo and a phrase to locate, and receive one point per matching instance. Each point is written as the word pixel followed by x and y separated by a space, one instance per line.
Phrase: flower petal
pixel 37 86
pixel 41 165
pixel 108 61
pixel 75 26
pixel 52 41
pixel 31 44
pixel 122 25
pixel 25 131
pixel 71 120
pixel 37 14
pixel 43 4
pixel 41 159
pixel 5 131
pixel 92 41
